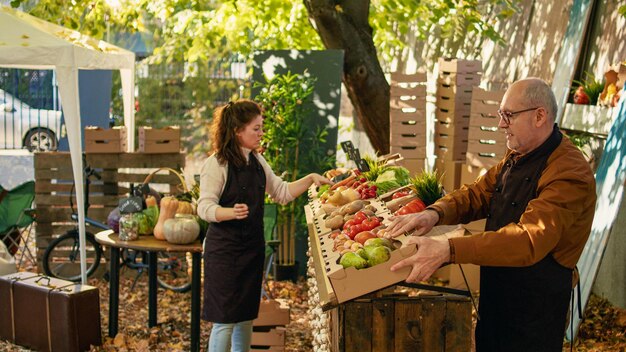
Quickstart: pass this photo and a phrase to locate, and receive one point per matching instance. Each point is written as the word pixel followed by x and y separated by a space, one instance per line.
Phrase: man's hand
pixel 422 221
pixel 432 252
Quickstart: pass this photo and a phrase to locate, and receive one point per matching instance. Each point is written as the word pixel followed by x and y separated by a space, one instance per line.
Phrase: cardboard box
pixel 484 119
pixel 456 117
pixel 270 349
pixel 413 116
pixel 403 79
pixel 411 126
pixel 351 283
pixel 450 149
pixel 101 140
pixel 452 274
pixel 159 140
pixel 450 171
pixel 469 173
pixel 493 97
pixel 408 105
pixel 406 138
pixel 484 107
pixel 462 105
pixel 453 129
pixel 414 92
pixel 459 79
pixel 484 133
pixel 451 90
pixel 272 313
pixel 487 148
pixel 410 151
pixel 415 165
pixel 459 65
pixel 482 160
pixel 272 337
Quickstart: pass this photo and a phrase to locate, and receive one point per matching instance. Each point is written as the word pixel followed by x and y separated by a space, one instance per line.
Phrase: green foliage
pixel 293 146
pixel 427 187
pixel 622 10
pixel 591 86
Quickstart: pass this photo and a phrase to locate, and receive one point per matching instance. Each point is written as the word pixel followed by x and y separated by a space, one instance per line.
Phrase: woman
pixel 233 183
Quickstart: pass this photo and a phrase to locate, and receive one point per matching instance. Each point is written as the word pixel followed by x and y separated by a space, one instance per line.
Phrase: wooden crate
pixel 101 140
pixel 159 140
pixel 403 324
pixel 54 184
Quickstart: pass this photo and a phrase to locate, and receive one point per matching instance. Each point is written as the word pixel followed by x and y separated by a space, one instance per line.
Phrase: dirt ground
pixel 602 330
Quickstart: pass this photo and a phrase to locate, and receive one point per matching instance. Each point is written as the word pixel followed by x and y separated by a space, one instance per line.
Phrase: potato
pixel 334 222
pixel 353 207
pixel 328 208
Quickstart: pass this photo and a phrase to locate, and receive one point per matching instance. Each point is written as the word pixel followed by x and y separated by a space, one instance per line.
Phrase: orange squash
pixel 169 206
pixel 185 208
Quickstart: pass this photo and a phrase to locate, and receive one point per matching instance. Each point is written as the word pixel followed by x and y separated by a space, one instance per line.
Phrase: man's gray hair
pixel 538 93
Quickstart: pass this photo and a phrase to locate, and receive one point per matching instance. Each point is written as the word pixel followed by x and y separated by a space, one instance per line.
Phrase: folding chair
pixel 16 220
pixel 270 213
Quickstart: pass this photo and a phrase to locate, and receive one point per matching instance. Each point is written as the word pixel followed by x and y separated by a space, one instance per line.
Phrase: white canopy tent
pixel 31 43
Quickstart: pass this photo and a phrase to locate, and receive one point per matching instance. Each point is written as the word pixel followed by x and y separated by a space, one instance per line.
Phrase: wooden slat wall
pixel 54 185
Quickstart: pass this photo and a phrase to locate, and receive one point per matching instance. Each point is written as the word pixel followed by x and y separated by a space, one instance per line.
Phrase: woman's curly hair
pixel 227 121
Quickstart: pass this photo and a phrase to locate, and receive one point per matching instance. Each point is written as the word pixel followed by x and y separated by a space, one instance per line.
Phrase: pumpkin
pixel 169 205
pixel 182 229
pixel 185 208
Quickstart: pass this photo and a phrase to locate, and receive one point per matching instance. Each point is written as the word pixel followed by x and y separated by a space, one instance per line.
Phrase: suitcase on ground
pixel 48 314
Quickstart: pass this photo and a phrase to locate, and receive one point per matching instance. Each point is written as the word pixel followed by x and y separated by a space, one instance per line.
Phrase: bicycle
pixel 62 256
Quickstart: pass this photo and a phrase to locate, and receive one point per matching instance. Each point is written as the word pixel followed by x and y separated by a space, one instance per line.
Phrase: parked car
pixel 22 126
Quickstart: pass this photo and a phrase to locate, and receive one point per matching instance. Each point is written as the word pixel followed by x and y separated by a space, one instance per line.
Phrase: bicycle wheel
pixel 174 271
pixel 62 256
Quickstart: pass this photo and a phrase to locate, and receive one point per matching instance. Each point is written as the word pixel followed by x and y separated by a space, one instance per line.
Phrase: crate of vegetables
pixel 352 268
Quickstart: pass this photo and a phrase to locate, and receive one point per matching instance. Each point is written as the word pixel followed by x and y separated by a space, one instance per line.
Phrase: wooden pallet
pixel 54 186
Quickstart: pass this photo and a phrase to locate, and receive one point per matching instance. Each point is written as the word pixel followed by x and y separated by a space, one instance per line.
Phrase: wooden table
pixel 152 246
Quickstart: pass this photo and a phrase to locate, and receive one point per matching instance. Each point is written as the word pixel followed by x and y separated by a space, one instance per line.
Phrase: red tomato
pixel 349 224
pixel 414 206
pixel 359 217
pixel 399 194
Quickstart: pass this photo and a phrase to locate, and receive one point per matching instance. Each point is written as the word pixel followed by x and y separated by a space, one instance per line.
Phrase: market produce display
pixel 351 216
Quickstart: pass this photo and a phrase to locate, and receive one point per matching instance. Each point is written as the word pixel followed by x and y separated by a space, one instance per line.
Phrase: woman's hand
pixel 240 211
pixel 319 180
pixel 422 221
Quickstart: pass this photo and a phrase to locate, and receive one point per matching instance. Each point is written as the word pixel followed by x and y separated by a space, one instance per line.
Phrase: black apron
pixel 522 308
pixel 234 251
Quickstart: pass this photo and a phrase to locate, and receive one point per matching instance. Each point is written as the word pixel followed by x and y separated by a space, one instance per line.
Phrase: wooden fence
pixel 54 187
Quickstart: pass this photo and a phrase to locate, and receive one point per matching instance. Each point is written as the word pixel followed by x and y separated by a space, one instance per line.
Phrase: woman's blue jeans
pixel 222 334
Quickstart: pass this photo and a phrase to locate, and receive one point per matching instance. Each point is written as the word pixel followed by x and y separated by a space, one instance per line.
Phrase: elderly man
pixel 539 203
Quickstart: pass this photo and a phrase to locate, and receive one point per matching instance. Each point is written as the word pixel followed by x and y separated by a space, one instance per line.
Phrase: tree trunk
pixel 343 24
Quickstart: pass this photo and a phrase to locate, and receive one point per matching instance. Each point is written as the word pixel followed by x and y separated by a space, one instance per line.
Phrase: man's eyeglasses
pixel 507 115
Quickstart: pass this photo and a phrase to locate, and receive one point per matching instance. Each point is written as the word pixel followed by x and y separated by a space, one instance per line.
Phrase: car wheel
pixel 40 140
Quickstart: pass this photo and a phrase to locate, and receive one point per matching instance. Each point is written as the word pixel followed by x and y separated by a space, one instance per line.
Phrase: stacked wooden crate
pixel 407 114
pixel 454 97
pixel 486 142
pixel 268 329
